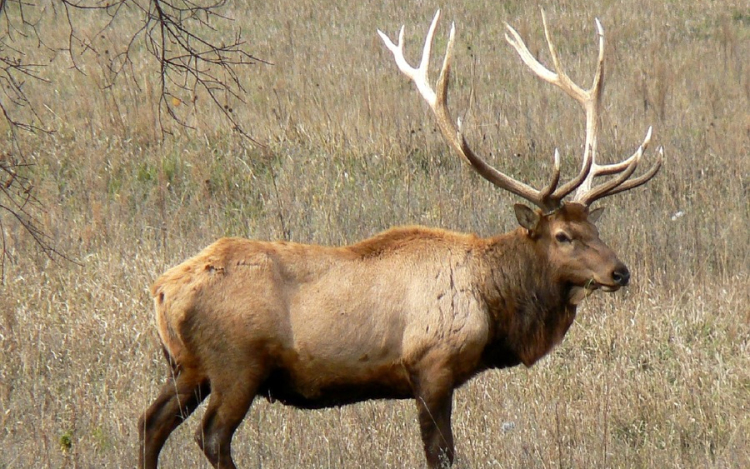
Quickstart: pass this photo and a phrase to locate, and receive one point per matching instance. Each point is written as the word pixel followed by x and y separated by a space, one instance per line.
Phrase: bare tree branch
pixel 17 200
pixel 182 35
pixel 178 33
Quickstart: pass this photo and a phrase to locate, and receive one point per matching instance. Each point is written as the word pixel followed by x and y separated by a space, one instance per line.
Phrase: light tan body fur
pixel 329 316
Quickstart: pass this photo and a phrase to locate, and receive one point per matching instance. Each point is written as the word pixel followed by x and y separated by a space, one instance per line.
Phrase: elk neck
pixel 528 305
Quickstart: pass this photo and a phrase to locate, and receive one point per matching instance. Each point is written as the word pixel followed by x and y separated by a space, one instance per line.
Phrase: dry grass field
pixel 657 375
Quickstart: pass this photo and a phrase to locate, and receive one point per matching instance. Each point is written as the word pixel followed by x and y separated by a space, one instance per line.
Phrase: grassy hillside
pixel 654 376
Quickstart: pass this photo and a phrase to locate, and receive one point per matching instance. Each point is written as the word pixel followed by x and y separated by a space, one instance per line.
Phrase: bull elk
pixel 412 312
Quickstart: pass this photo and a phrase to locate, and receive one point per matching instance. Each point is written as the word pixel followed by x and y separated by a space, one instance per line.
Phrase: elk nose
pixel 621 275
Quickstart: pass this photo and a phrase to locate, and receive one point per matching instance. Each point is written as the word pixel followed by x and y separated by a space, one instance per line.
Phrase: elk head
pixel 563 231
pixel 569 241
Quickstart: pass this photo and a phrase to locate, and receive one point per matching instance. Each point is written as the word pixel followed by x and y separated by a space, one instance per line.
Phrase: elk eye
pixel 562 237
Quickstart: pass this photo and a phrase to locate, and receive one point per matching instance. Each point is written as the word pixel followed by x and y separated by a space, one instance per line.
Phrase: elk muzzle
pixel 621 275
pixel 618 277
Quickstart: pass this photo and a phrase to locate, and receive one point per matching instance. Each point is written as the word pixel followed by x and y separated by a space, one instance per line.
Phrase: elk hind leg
pixel 230 400
pixel 180 396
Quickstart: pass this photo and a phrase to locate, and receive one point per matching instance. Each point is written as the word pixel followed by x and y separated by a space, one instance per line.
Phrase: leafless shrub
pixel 183 36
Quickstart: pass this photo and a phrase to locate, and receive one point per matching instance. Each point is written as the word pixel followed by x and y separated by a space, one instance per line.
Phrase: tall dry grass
pixel 656 376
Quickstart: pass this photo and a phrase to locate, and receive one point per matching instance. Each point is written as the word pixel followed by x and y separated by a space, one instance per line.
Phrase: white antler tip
pixel 599 27
pixel 509 29
pixel 647 140
pixel 557 159
pixel 435 19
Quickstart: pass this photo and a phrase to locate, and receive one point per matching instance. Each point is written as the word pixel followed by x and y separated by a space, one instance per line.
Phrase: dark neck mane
pixel 528 306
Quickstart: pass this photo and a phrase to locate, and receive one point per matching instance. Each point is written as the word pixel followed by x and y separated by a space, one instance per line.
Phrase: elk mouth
pixel 618 278
pixel 593 285
pixel 578 293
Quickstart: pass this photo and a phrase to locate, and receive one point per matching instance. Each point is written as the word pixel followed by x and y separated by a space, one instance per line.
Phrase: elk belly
pixel 308 382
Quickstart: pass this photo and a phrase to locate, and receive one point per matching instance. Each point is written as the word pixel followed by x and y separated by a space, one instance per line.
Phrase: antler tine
pixel 417 75
pixel 640 180
pixel 614 168
pixel 601 190
pixel 625 169
pixel 547 191
pixel 438 102
pixel 622 182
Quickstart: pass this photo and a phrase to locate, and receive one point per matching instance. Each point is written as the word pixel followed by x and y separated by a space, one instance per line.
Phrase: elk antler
pixel 550 197
pixel 438 102
pixel 590 100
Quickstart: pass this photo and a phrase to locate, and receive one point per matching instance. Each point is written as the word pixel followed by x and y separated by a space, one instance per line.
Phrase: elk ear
pixel 595 214
pixel 526 217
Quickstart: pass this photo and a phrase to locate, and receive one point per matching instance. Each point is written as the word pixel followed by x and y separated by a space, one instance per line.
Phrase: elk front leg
pixel 434 395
